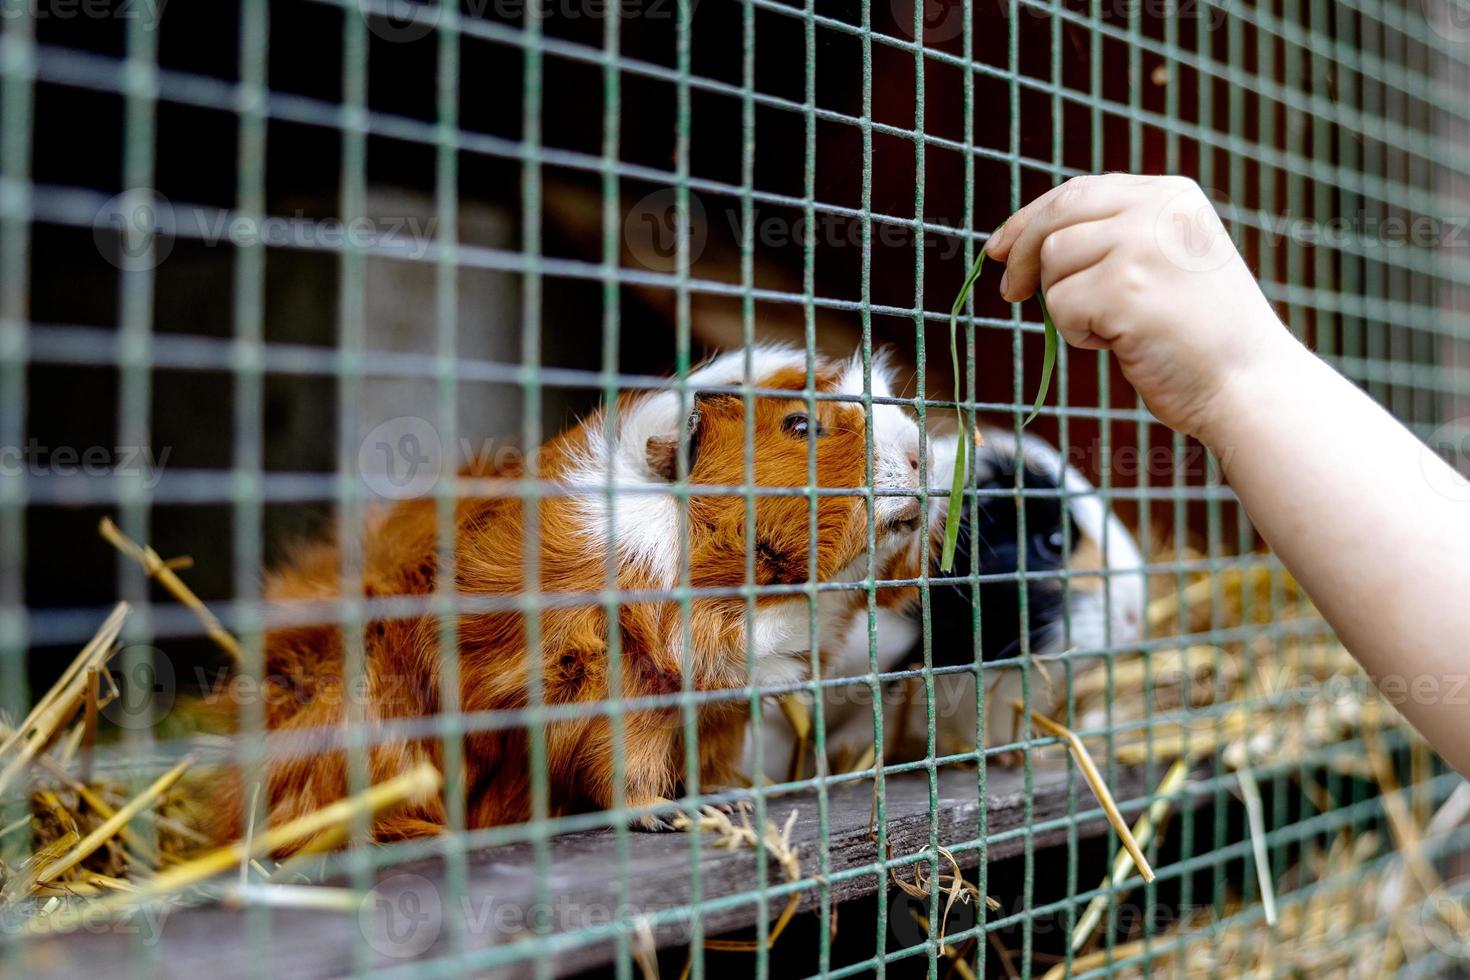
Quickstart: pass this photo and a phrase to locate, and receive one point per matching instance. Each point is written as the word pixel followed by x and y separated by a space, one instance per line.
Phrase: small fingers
pixel 1081 199
pixel 1075 309
pixel 1073 249
pixel 1091 341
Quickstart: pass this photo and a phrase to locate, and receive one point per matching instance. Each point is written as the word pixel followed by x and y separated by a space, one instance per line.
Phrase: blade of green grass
pixel 962 444
pixel 1048 360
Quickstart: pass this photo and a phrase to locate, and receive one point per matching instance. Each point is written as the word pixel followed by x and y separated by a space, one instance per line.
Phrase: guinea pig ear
pixel 884 370
pixel 881 373
pixel 662 451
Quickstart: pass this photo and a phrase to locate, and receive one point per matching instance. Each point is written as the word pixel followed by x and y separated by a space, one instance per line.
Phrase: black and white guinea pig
pixel 1092 545
pixel 1084 590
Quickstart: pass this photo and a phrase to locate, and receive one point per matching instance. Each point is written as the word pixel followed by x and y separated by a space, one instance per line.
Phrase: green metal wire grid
pixel 1302 111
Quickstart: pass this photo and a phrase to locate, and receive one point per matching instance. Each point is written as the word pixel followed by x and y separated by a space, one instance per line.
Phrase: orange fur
pixel 402 657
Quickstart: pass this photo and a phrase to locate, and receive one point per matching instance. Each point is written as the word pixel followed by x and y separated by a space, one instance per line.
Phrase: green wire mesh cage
pixel 298 288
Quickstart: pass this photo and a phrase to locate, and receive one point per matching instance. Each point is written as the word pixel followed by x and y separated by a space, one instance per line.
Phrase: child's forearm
pixel 1374 526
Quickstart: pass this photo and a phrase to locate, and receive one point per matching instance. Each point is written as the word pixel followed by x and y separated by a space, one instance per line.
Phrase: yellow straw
pixel 1099 788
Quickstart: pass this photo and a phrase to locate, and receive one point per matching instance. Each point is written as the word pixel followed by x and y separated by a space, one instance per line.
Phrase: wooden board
pixel 411 915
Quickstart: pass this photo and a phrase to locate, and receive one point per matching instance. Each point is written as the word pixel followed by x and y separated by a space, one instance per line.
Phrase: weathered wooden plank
pixel 410 915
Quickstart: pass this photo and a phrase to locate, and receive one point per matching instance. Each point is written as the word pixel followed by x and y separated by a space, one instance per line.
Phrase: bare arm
pixel 1374 526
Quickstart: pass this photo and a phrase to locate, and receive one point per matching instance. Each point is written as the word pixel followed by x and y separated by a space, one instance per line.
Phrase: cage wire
pixel 597 189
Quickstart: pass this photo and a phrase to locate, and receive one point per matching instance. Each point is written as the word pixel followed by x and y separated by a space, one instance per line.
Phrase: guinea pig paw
pixel 665 819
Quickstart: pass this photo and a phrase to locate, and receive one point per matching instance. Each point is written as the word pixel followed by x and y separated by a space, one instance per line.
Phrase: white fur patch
pixel 782 628
pixel 643 515
pixel 895 435
pixel 897 634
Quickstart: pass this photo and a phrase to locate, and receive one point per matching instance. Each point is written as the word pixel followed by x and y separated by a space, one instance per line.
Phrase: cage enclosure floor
pixel 415 915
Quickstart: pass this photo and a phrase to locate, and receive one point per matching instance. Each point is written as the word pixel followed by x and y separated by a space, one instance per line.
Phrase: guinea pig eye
pixel 1049 546
pixel 799 424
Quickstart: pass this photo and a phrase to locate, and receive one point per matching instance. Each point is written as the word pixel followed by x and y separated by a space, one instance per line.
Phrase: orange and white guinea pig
pixel 579 525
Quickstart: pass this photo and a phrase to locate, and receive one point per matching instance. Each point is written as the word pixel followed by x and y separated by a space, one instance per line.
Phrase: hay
pixel 776 842
pixel 1083 758
pixel 1123 863
pixel 93 845
pixel 165 574
pixel 82 833
pixel 1242 700
pixel 1156 711
pixel 1333 929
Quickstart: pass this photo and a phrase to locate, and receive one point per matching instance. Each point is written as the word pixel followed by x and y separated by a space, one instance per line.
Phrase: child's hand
pixel 1142 266
pixel 1371 523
